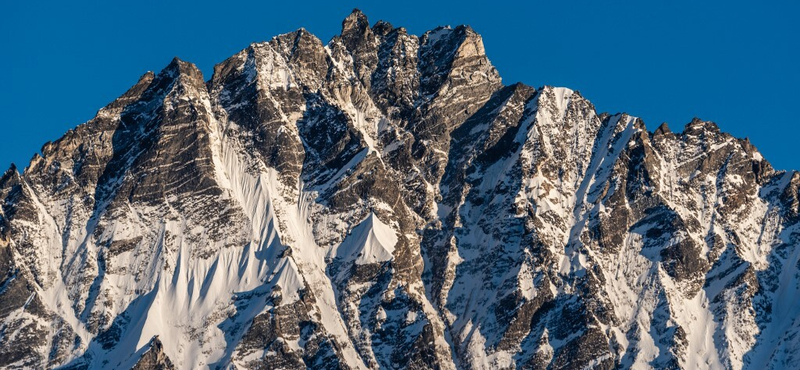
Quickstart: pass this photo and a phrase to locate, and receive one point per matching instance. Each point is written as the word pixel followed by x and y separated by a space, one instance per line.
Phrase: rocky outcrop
pixel 154 357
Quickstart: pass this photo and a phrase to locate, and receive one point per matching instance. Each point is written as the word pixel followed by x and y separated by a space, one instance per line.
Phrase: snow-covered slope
pixel 383 201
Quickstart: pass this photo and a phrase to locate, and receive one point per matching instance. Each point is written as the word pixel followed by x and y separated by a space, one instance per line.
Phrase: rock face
pixel 153 357
pixel 383 201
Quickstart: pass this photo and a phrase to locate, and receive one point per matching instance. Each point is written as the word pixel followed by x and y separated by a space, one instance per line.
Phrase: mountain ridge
pixel 223 223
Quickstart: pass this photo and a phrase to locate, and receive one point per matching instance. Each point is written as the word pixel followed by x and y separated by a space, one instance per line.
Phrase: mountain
pixel 384 201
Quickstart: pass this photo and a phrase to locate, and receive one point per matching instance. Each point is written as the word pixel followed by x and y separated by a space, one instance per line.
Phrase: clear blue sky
pixel 732 62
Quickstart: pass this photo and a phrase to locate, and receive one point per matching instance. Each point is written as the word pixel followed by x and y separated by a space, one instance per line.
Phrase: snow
pixel 372 241
pixel 437 34
pixel 268 67
pixel 525 281
pixel 284 243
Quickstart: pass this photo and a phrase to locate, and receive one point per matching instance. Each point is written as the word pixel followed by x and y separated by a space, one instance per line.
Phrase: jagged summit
pixel 356 22
pixel 178 69
pixel 11 168
pixel 384 201
pixel 178 66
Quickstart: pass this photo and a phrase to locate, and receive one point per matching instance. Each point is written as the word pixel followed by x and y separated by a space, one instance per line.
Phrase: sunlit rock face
pixel 384 201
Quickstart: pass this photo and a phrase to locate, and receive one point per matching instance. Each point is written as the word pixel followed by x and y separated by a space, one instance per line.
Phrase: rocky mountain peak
pixel 11 171
pixel 662 129
pixel 382 28
pixel 698 126
pixel 178 68
pixel 355 27
pixel 384 201
pixel 179 74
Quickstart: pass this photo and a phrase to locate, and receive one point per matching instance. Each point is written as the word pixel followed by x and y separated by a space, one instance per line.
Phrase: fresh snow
pixel 372 241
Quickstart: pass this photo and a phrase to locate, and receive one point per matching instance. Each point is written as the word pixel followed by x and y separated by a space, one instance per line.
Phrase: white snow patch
pixel 372 241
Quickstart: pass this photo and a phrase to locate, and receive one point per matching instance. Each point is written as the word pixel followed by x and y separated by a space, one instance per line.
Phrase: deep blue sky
pixel 732 62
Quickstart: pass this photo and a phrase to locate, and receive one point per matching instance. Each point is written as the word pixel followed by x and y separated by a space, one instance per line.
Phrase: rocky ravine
pixel 383 201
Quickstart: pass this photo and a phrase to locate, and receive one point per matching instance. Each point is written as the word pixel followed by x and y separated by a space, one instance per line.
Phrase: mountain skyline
pixel 384 200
pixel 687 59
